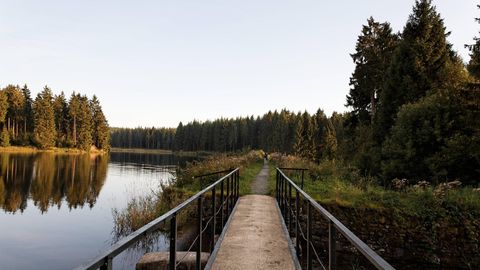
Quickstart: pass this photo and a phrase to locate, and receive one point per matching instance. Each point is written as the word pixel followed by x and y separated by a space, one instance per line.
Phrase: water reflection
pixel 50 180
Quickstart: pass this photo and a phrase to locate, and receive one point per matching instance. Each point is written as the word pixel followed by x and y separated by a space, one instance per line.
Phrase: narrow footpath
pixel 255 238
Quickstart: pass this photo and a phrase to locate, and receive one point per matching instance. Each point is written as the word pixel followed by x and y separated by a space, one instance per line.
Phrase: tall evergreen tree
pixel 372 57
pixel 474 63
pixel 101 132
pixel 61 119
pixel 44 119
pixel 27 110
pixel 418 65
pixel 73 112
pixel 85 128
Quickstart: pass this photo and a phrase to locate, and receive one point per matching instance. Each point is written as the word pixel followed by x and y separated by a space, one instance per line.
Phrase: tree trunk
pixel 374 109
pixel 75 131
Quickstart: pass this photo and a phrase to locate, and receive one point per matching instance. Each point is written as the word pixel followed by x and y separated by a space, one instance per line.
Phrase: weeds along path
pixel 260 184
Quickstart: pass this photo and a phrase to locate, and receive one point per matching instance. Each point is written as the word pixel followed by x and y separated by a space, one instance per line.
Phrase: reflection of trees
pixel 49 179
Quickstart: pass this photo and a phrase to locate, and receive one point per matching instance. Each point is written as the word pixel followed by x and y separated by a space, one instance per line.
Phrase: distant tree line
pixel 50 120
pixel 415 111
pixel 282 131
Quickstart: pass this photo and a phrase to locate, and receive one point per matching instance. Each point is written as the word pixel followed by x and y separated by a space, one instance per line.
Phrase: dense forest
pixel 415 110
pixel 50 120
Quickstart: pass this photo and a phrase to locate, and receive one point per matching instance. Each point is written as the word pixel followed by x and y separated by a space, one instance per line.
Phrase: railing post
pixel 276 185
pixel 332 239
pixel 214 211
pixel 228 198
pixel 297 221
pixel 222 200
pixel 173 243
pixel 108 264
pixel 289 208
pixel 309 237
pixel 303 172
pixel 199 245
pixel 238 184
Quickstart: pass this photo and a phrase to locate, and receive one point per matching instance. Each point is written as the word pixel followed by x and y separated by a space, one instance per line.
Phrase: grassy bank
pixel 56 150
pixel 141 210
pixel 431 227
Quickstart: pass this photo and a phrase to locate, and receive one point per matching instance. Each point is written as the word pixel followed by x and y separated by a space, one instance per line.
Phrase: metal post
pixel 212 241
pixel 303 172
pixel 173 243
pixel 222 199
pixel 228 198
pixel 297 221
pixel 238 184
pixel 199 244
pixel 289 208
pixel 309 237
pixel 276 185
pixel 108 264
pixel 332 239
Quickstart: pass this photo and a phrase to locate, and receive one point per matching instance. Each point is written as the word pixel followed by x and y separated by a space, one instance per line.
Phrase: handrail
pixel 104 260
pixel 334 224
pixel 210 174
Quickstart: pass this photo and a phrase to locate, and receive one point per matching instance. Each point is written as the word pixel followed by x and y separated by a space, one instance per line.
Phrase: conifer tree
pixel 27 110
pixel 418 64
pixel 3 106
pixel 101 132
pixel 474 63
pixel 61 118
pixel 85 139
pixel 73 112
pixel 44 119
pixel 372 58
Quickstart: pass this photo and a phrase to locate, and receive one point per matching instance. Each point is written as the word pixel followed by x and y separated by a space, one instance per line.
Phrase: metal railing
pixel 229 187
pixel 302 170
pixel 291 212
pixel 209 175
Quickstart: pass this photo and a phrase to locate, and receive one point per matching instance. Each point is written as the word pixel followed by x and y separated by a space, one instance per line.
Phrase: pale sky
pixel 155 63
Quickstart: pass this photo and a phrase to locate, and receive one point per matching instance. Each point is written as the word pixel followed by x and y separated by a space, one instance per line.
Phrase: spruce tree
pixel 418 65
pixel 85 129
pixel 372 57
pixel 44 119
pixel 101 131
pixel 3 106
pixel 474 63
pixel 73 112
pixel 61 119
pixel 27 110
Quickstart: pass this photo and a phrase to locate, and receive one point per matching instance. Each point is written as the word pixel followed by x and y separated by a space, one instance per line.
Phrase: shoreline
pixel 156 151
pixel 54 150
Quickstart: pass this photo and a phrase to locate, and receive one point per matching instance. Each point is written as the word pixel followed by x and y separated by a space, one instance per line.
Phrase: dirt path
pixel 260 184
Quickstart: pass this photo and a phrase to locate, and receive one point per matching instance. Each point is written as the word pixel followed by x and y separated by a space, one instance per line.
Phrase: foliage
pixel 44 119
pixel 78 123
pixel 372 57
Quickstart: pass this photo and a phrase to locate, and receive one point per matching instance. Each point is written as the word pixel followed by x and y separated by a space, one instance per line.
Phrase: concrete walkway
pixel 255 238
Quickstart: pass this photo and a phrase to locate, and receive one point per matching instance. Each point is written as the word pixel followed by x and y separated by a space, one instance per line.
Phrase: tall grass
pixel 143 209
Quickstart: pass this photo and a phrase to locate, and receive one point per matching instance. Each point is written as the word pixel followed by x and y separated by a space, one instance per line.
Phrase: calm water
pixel 56 210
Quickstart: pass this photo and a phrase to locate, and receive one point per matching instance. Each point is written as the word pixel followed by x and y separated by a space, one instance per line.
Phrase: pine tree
pixel 3 106
pixel 27 110
pixel 85 139
pixel 60 107
pixel 44 119
pixel 73 112
pixel 418 65
pixel 474 63
pixel 372 58
pixel 101 131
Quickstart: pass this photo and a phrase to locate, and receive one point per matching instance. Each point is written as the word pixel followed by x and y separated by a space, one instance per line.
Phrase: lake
pixel 57 208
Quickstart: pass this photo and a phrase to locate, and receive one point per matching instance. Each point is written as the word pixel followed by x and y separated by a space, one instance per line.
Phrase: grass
pixel 247 176
pixel 143 209
pixel 157 151
pixel 334 183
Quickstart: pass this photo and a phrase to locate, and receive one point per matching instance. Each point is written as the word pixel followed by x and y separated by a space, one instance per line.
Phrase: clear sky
pixel 155 63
